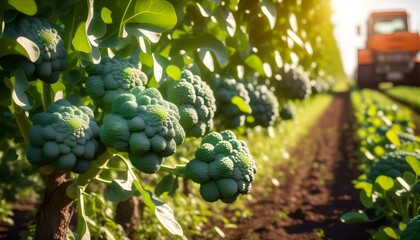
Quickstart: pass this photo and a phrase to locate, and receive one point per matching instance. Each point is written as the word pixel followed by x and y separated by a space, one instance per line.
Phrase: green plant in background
pixel 102 65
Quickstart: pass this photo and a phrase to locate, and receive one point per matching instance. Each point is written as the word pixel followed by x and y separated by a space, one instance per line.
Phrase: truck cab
pixel 391 52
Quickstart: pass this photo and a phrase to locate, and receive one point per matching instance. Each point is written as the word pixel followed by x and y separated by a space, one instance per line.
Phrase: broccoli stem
pixel 22 121
pixel 178 170
pixel 84 179
pixel 47 95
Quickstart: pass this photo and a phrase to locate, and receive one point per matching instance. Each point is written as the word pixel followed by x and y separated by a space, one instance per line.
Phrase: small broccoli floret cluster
pixel 146 126
pixel 223 166
pixel 392 164
pixel 65 137
pixel 264 105
pixel 225 89
pixel 195 101
pixel 294 84
pixel 52 53
pixel 287 112
pixel 412 230
pixel 112 77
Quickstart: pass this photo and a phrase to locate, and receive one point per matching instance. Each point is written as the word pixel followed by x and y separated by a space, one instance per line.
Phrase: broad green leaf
pixel 390 232
pixel 153 15
pixel 165 185
pixel 365 199
pixel 254 62
pixel 241 104
pixel 228 21
pixel 207 59
pixel 207 7
pixel 119 190
pixel 393 137
pixel 354 217
pixel 82 226
pixel 385 182
pixel 106 15
pixel 174 72
pixel 20 90
pixel 159 64
pixel 20 46
pixel 27 7
pixel 80 41
pixel 269 10
pixel 414 164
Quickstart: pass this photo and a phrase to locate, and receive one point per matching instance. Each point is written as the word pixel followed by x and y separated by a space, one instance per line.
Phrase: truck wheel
pixel 366 77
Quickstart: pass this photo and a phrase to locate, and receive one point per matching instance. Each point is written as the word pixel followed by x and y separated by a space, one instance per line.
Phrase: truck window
pixel 388 25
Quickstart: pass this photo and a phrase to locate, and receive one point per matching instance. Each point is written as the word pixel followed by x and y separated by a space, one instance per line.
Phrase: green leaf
pixel 393 137
pixel 20 89
pixel 162 211
pixel 119 190
pixel 159 64
pixel 354 217
pixel 269 10
pixel 106 15
pixel 385 182
pixel 414 164
pixel 390 232
pixel 82 225
pixel 365 199
pixel 80 41
pixel 165 185
pixel 20 46
pixel 153 15
pixel 174 72
pixel 254 62
pixel 241 104
pixel 27 7
pixel 207 59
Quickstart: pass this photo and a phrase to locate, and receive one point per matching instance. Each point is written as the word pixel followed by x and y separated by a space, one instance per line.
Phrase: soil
pixel 315 193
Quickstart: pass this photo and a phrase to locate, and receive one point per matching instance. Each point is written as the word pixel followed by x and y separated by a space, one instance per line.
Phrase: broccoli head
pixel 52 53
pixel 411 232
pixel 65 137
pixel 195 102
pixel 146 126
pixel 223 166
pixel 112 77
pixel 392 164
pixel 294 84
pixel 225 89
pixel 264 105
pixel 287 112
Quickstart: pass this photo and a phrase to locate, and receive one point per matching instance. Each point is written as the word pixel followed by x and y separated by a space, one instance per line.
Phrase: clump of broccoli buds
pixel 146 126
pixel 51 61
pixel 112 77
pixel 223 166
pixel 264 105
pixel 195 102
pixel 225 89
pixel 294 84
pixel 65 137
pixel 287 111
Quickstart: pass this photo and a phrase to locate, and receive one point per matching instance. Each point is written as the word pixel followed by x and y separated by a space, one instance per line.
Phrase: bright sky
pixel 350 13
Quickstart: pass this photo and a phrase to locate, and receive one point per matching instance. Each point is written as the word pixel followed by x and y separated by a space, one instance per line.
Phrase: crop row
pixel 407 95
pixel 389 162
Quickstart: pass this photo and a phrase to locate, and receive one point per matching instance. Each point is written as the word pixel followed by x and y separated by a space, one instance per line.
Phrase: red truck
pixel 391 53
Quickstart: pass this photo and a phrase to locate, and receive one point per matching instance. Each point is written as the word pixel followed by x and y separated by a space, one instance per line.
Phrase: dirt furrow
pixel 317 192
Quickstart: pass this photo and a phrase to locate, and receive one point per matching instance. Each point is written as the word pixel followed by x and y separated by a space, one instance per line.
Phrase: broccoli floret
pixel 52 53
pixel 223 166
pixel 264 105
pixel 294 84
pixel 112 77
pixel 392 164
pixel 195 102
pixel 146 126
pixel 411 232
pixel 229 113
pixel 65 136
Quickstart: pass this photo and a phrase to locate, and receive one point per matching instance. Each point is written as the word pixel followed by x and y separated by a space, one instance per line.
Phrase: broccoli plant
pixel 411 231
pixel 232 100
pixel 264 105
pixel 223 166
pixel 52 55
pixel 294 84
pixel 145 125
pixel 113 77
pixel 64 138
pixel 195 102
